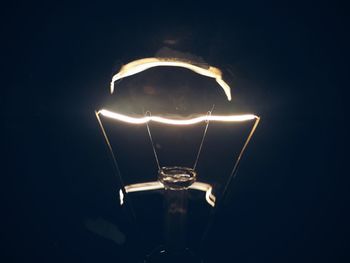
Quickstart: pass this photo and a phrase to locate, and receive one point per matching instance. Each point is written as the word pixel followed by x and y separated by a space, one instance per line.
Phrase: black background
pixel 289 62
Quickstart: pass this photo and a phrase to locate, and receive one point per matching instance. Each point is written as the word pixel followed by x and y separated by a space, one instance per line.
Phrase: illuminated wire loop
pixel 140 65
pixel 146 119
pixel 204 187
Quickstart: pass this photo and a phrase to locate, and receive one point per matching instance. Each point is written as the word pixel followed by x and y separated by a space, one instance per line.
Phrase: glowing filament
pixel 139 65
pixel 146 119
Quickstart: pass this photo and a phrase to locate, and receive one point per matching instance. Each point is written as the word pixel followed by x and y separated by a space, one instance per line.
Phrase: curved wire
pixel 140 65
pixel 207 117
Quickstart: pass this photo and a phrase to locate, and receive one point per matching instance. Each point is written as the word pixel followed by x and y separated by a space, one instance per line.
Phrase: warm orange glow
pixel 202 118
pixel 140 65
pixel 207 188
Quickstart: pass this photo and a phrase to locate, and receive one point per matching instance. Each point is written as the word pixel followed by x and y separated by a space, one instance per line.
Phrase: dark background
pixel 289 64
